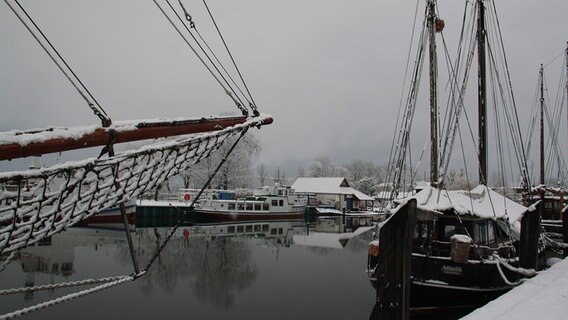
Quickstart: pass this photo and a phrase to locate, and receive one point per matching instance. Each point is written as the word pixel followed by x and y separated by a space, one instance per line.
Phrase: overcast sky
pixel 330 72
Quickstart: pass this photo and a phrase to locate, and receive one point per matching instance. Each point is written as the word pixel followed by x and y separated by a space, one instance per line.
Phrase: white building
pixel 334 192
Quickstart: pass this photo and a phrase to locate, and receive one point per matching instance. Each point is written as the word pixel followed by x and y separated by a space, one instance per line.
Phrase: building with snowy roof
pixel 334 192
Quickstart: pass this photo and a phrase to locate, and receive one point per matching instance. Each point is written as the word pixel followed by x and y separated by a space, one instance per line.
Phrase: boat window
pixel 241 206
pixel 248 228
pixel 264 227
pixel 274 203
pixel 491 232
pixel 281 203
pixel 449 231
pixel 240 228
pixel 231 229
pixel 485 232
pixel 273 231
pixel 421 230
pixel 280 231
pixel 257 228
pixel 249 206
pixel 231 206
pixel 258 206
pixel 265 207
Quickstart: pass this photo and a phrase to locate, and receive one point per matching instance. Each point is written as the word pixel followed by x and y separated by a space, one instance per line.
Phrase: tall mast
pixel 541 74
pixel 482 94
pixel 433 93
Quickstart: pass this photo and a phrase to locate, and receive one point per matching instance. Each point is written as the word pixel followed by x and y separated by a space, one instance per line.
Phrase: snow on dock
pixel 544 296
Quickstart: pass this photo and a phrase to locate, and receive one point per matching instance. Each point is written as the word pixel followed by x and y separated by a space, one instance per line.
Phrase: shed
pixel 334 192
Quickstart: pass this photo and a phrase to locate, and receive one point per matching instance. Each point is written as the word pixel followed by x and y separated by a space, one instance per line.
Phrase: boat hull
pixel 200 215
pixel 429 296
pixel 456 285
pixel 111 218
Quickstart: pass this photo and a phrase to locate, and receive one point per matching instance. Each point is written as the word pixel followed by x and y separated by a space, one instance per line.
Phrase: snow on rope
pixel 38 203
pixel 65 298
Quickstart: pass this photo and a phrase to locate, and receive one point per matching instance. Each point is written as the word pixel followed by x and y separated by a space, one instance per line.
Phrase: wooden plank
pixel 530 233
pixel 394 264
pixel 102 136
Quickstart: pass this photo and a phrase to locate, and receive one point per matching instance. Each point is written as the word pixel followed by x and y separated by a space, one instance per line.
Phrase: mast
pixel 433 94
pixel 482 94
pixel 541 74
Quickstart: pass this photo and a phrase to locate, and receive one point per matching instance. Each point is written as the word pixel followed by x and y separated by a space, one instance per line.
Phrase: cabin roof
pixel 481 201
pixel 321 185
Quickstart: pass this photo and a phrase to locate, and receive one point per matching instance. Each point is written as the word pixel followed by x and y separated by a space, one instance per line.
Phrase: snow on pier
pixel 544 296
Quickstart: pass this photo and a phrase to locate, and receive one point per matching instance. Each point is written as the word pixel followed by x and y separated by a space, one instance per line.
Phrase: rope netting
pixel 36 204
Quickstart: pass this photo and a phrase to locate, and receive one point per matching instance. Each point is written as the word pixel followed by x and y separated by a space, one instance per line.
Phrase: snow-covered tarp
pixel 481 201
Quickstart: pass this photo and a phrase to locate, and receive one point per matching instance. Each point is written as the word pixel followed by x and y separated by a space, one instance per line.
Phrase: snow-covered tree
pixel 235 173
pixel 323 167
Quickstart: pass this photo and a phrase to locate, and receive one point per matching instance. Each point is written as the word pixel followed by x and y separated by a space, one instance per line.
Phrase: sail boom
pixel 14 145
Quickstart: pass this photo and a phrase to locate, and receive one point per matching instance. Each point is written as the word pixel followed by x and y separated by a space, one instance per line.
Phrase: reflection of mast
pixel 482 94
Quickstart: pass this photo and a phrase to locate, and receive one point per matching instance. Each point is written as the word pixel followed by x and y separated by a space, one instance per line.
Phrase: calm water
pixel 275 271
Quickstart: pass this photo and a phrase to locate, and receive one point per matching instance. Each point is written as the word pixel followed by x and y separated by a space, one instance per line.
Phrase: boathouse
pixel 334 192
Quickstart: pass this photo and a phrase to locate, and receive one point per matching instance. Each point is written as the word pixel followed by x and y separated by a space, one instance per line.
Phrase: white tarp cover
pixel 480 201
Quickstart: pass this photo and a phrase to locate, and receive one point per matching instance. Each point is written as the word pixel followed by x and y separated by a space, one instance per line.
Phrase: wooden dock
pixel 542 297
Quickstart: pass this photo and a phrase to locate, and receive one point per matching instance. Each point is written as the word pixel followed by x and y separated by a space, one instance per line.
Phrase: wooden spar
pixel 102 136
pixel 433 94
pixel 541 74
pixel 482 93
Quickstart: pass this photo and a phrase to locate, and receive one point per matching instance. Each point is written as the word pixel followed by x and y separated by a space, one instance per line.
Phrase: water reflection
pixel 214 258
pixel 223 266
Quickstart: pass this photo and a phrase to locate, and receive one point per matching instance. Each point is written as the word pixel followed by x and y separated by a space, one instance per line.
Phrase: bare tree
pixel 262 173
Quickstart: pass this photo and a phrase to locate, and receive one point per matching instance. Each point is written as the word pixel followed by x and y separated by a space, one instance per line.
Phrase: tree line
pixel 239 171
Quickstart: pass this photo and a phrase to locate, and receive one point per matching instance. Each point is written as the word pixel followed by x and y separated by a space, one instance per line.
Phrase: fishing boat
pixel 267 203
pixel 551 189
pixel 465 244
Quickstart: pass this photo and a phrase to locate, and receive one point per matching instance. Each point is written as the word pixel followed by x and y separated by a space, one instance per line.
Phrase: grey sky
pixel 330 72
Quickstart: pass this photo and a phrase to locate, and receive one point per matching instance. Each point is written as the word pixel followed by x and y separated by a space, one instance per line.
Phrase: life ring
pixel 186 197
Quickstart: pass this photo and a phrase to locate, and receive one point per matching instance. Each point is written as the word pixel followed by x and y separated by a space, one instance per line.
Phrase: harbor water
pixel 261 270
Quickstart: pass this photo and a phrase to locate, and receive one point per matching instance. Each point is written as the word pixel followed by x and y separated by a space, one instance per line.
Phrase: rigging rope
pixel 223 83
pixel 252 104
pixel 95 107
pixel 194 26
pixel 66 298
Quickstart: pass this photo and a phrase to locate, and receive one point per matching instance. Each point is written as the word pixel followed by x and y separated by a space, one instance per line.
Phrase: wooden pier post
pixel 530 233
pixel 394 264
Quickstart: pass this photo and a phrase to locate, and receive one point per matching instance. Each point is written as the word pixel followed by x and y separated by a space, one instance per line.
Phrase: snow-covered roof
pixel 328 186
pixel 385 195
pixel 320 185
pixel 358 194
pixel 480 201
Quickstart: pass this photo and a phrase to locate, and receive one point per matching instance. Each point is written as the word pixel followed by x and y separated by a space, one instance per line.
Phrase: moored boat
pixel 465 243
pixel 267 203
pixel 111 218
